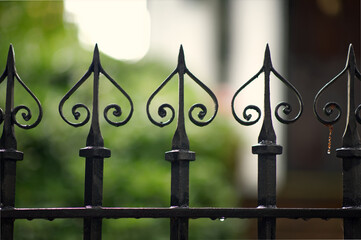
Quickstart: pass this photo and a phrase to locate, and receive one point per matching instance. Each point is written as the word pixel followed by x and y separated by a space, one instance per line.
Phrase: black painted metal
pixel 350 152
pixel 94 152
pixel 267 149
pixel 180 155
pixel 8 145
pixel 179 213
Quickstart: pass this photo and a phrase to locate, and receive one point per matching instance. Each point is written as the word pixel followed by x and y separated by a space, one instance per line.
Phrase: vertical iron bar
pixel 179 158
pixel 180 155
pixel 267 151
pixel 8 150
pixel 94 154
pixel 350 152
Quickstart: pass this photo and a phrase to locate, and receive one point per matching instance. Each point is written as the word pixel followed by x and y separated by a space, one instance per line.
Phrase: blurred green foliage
pixel 50 60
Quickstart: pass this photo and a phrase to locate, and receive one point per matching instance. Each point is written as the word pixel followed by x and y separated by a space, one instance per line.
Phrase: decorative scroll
pixel 332 110
pixel 95 68
pixel 285 107
pixel 10 73
pixel 166 108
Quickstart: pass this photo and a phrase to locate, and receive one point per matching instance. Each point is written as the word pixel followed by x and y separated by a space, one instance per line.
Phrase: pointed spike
pixel 351 59
pixel 267 57
pixel 11 55
pixel 267 47
pixel 96 52
pixel 181 61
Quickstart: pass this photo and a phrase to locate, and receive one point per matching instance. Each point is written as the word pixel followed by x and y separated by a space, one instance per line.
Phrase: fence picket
pixel 180 155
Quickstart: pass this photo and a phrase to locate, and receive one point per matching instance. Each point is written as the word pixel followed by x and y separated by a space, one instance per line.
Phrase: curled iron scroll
pixel 164 108
pixel 284 106
pixel 201 107
pixel 247 115
pixel 26 112
pixel 332 110
pixel 117 111
pixel 76 107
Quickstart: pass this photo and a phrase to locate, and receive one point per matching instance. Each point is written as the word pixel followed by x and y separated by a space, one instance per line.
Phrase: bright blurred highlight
pixel 121 28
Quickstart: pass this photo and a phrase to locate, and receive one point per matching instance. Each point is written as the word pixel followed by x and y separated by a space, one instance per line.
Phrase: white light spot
pixel 121 28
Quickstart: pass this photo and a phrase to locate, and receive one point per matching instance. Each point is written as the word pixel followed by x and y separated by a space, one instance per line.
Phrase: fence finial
pixel 181 60
pixel 350 152
pixel 180 156
pixel 11 74
pixel 96 68
pixel 8 144
pixel 333 111
pixel 267 149
pixel 267 58
pixel 182 70
pixel 248 118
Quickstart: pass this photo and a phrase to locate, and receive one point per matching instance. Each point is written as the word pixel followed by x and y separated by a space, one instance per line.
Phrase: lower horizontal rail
pixel 212 213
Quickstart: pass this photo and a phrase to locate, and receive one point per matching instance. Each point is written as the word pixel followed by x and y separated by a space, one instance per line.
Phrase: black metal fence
pixel 180 155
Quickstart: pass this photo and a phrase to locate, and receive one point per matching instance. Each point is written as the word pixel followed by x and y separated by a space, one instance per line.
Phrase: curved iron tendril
pixel 333 108
pixel 181 69
pixel 267 68
pixel 9 73
pixel 95 68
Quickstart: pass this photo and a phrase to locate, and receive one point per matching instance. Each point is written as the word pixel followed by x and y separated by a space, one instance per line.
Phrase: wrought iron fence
pixel 180 155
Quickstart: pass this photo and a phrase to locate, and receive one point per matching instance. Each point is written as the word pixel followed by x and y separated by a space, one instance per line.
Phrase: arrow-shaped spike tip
pixel 11 54
pixel 351 55
pixel 181 49
pixel 181 61
pixel 96 50
pixel 267 57
pixel 96 54
pixel 11 48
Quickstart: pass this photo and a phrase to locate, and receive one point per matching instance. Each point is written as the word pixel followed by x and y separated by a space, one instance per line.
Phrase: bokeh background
pixel 224 42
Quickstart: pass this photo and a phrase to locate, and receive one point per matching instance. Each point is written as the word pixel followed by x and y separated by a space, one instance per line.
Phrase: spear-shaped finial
pixel 96 57
pixel 11 55
pixel 332 110
pixel 180 139
pixel 95 138
pixel 351 137
pixel 11 111
pixel 95 68
pixel 351 59
pixel 8 140
pixel 267 63
pixel 267 132
pixel 8 144
pixel 181 60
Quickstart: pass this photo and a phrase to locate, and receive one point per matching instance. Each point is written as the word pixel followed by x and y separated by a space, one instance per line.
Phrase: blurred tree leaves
pixel 50 60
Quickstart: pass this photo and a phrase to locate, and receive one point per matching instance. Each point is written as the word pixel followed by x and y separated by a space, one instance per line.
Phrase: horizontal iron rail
pixel 194 213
